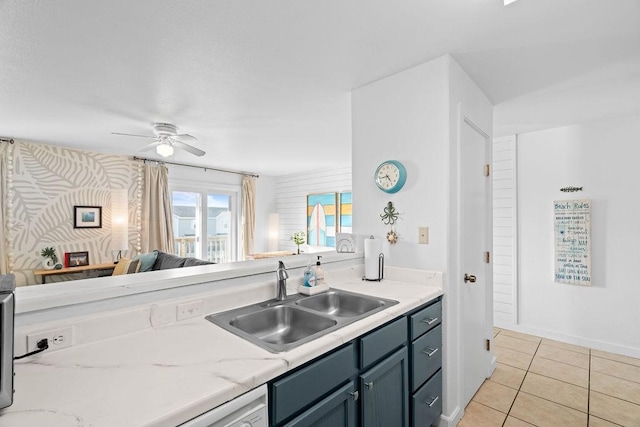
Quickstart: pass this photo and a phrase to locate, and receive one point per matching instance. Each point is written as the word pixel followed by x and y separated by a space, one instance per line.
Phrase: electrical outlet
pixel 423 235
pixel 189 309
pixel 57 339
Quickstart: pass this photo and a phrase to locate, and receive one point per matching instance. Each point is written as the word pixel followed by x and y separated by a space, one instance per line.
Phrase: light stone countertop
pixel 165 375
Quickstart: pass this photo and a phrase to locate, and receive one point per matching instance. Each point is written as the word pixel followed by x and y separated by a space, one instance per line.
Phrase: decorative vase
pixel 48 264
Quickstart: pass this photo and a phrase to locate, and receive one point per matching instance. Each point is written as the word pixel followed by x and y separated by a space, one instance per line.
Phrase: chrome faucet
pixel 282 276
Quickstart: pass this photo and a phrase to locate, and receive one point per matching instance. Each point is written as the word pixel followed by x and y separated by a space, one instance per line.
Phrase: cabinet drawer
pixel 298 390
pixel 378 344
pixel 426 403
pixel 425 319
pixel 426 355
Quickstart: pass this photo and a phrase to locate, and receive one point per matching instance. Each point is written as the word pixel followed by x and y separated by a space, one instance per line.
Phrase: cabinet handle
pixel 430 351
pixel 369 385
pixel 355 395
pixel 430 320
pixel 434 400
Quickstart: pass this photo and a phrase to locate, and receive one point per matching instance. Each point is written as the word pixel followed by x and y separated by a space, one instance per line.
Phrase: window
pixel 205 224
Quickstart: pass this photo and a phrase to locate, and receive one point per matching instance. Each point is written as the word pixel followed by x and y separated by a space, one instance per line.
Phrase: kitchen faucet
pixel 281 276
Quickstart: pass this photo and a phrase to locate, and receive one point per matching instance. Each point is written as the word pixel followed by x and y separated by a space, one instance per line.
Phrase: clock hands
pixel 386 176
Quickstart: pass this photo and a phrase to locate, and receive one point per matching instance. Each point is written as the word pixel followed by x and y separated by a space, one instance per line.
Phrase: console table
pixel 70 270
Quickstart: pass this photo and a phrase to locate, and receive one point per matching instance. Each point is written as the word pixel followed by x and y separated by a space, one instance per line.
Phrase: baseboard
pixel 451 420
pixel 503 320
pixel 492 365
pixel 572 339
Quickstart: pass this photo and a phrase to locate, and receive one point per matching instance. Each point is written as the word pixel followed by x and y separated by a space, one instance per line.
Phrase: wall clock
pixel 390 176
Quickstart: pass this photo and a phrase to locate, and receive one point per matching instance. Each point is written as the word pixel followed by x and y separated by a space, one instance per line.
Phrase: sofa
pixel 166 261
pixel 153 261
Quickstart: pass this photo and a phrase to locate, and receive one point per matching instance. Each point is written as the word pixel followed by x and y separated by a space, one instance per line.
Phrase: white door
pixel 476 287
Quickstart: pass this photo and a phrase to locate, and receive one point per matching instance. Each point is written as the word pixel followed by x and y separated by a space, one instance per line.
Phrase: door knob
pixel 469 278
pixel 369 385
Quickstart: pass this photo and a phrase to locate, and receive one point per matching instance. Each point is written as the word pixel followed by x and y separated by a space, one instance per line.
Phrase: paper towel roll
pixel 372 251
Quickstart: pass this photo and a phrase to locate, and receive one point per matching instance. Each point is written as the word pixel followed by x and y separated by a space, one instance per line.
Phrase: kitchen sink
pixel 341 304
pixel 279 326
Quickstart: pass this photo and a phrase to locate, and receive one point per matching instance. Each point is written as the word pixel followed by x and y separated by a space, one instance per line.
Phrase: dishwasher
pixel 248 410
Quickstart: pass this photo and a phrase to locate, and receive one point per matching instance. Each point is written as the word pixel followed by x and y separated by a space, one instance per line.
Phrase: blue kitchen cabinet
pixel 388 377
pixel 425 333
pixel 384 392
pixel 298 391
pixel 336 410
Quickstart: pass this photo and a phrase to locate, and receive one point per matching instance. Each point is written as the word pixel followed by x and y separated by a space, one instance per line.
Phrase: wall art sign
pixel 321 219
pixel 572 238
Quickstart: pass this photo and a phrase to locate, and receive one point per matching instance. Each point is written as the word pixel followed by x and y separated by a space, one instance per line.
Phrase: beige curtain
pixel 248 213
pixel 157 215
pixel 4 188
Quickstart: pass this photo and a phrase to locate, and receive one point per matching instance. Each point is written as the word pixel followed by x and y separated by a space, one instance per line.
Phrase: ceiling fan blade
pixel 131 134
pixel 150 146
pixel 185 136
pixel 193 150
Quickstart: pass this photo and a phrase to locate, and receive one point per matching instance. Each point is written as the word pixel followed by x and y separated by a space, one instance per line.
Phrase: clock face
pixel 390 176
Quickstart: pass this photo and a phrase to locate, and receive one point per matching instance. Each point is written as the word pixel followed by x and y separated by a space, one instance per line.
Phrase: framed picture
pixel 76 259
pixel 87 217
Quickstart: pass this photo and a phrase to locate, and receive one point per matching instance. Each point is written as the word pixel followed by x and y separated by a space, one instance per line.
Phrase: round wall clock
pixel 390 176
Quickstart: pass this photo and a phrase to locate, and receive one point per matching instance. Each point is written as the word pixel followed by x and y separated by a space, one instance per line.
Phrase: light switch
pixel 423 235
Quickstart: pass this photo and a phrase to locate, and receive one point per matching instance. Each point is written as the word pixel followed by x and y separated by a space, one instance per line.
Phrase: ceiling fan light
pixel 165 150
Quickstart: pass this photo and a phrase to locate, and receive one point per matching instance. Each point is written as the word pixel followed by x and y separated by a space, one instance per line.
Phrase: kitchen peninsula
pixel 169 371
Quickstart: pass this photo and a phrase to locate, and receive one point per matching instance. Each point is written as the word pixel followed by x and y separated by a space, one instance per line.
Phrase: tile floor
pixel 546 383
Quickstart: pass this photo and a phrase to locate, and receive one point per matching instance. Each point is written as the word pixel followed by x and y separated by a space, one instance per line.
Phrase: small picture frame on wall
pixel 87 217
pixel 76 259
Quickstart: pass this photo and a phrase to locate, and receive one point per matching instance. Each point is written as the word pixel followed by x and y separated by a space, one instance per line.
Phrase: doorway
pixel 475 276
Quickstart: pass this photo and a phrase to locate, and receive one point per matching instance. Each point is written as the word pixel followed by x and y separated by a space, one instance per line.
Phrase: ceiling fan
pixel 166 139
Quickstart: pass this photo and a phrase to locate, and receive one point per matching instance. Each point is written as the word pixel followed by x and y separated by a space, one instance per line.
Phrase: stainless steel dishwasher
pixel 248 410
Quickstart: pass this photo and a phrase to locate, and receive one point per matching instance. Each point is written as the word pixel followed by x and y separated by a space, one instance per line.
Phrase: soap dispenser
pixel 319 272
pixel 309 276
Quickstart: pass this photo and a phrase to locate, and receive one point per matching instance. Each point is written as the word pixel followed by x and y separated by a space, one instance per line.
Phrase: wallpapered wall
pixel 45 184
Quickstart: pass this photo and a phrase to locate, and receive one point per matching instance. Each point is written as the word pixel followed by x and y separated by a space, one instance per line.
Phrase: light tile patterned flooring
pixel 546 383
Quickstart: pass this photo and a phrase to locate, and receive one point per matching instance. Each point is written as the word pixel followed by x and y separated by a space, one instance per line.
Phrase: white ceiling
pixel 265 85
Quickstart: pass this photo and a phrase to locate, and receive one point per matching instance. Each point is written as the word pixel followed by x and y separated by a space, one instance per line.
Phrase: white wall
pixel 265 205
pixel 291 199
pixel 414 117
pixel 404 117
pixel 602 157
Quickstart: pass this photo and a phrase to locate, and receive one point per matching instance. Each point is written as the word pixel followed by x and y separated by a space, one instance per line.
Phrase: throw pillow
pixel 146 260
pixel 121 267
pixel 190 262
pixel 167 261
pixel 134 266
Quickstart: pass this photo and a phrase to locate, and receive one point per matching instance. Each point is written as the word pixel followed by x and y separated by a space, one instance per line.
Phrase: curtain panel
pixel 248 214
pixel 157 213
pixel 5 155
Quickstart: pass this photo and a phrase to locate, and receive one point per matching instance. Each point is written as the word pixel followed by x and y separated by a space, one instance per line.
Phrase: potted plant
pixel 299 238
pixel 50 260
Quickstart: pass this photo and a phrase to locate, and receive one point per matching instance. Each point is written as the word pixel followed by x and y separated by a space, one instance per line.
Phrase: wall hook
pixel 570 189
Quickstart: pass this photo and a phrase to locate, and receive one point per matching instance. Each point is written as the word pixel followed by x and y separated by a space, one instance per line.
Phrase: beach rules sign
pixel 572 223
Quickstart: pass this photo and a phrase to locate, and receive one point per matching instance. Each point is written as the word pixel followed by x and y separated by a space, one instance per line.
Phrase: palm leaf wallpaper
pixel 46 183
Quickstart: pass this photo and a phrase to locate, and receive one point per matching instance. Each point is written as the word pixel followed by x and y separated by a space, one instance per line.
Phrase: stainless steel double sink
pixel 279 326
